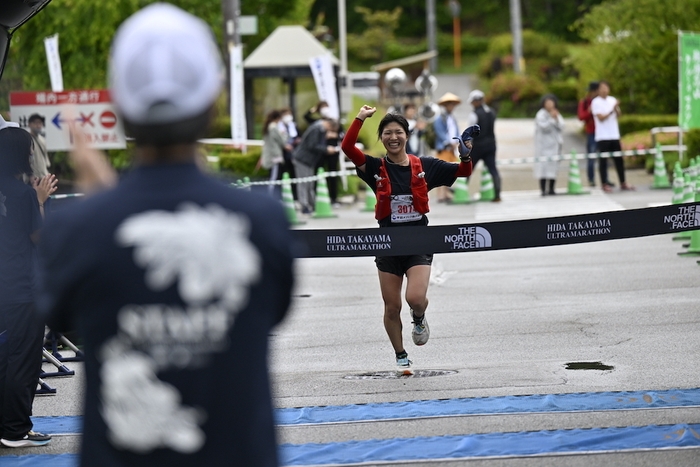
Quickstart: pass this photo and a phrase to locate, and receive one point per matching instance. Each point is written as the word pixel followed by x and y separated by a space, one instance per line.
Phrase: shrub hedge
pixel 692 140
pixel 631 123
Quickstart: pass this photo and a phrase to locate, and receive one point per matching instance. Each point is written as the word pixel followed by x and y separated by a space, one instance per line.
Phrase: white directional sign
pixel 91 109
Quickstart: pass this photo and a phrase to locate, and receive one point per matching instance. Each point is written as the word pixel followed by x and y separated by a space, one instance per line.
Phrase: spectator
pixel 586 116
pixel 548 140
pixel 274 145
pixel 317 112
pixel 308 155
pixel 329 161
pixel 485 145
pixel 170 275
pixel 446 128
pixel 288 126
pixel 415 127
pixel 40 161
pixel 21 326
pixel 606 110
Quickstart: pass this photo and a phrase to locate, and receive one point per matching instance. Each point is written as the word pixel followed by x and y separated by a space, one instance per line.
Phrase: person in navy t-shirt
pixel 21 327
pixel 173 279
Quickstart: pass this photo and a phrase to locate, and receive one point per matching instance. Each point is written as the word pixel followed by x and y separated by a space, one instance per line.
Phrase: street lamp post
pixel 345 82
pixel 231 11
pixel 456 9
pixel 517 32
pixel 430 29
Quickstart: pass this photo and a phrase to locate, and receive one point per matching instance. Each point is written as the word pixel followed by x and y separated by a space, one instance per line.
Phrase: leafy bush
pixel 237 164
pixel 500 45
pixel 564 90
pixel 643 140
pixel 631 123
pixel 535 45
pixel 220 127
pixel 474 45
pixel 400 48
pixel 471 45
pixel 516 88
pixel 692 140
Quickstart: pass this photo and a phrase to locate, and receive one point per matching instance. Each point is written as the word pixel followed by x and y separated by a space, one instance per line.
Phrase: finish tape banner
pixel 566 230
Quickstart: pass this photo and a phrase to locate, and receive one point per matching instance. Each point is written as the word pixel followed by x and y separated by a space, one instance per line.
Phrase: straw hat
pixel 449 97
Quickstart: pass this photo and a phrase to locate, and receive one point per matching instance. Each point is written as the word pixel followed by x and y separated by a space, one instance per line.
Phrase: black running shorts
pixel 398 265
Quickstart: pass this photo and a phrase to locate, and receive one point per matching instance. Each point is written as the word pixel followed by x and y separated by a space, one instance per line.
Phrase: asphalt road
pixel 503 324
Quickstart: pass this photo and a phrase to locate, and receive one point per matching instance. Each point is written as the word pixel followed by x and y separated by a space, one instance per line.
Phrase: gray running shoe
pixel 403 362
pixel 421 331
pixel 32 438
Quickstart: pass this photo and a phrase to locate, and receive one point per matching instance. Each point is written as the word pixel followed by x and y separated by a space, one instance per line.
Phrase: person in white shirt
pixel 606 109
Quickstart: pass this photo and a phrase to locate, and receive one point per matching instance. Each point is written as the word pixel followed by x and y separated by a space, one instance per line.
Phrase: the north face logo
pixel 469 238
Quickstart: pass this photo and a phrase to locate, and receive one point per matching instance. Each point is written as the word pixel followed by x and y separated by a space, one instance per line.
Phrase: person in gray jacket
pixel 548 140
pixel 306 157
pixel 274 145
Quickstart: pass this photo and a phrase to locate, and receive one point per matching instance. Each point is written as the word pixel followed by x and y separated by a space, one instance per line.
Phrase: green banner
pixel 689 80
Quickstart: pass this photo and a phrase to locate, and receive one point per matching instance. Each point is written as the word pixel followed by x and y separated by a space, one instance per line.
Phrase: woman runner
pixel 401 183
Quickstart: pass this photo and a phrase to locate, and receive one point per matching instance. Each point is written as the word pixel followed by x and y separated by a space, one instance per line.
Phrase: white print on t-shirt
pixel 402 209
pixel 143 412
pixel 206 253
pixel 205 249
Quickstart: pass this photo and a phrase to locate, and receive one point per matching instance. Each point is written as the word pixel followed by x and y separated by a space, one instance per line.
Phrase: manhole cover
pixel 401 374
pixel 588 366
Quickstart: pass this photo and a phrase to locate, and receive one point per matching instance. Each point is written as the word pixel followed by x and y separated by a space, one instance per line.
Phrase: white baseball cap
pixel 164 66
pixel 475 95
pixel 6 124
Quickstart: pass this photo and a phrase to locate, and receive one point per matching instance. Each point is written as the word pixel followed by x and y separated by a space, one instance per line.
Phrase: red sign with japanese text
pixel 91 109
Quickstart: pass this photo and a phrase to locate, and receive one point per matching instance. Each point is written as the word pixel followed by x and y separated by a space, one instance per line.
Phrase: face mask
pixel 326 112
pixel 288 118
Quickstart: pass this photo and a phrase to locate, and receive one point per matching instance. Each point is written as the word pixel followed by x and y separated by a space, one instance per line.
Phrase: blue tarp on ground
pixel 589 401
pixel 52 460
pixel 493 444
pixel 455 447
pixel 577 402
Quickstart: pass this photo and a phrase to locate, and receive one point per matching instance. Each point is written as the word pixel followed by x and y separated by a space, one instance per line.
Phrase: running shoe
pixel 421 331
pixel 403 361
pixel 32 438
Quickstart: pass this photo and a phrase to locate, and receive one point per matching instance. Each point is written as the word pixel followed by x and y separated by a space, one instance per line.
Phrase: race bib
pixel 402 209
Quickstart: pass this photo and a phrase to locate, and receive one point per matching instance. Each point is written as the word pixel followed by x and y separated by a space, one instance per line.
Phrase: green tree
pixel 634 45
pixel 86 29
pixel 370 45
pixel 482 18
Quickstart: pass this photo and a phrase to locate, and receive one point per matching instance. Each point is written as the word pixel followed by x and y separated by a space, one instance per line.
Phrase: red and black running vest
pixel 419 189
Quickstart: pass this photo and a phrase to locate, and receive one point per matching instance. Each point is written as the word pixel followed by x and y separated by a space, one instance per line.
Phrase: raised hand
pixel 45 187
pixel 93 171
pixel 366 112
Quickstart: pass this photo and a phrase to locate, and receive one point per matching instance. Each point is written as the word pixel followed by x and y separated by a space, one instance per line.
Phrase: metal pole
pixel 231 11
pixel 456 9
pixel 517 32
pixel 431 26
pixel 345 84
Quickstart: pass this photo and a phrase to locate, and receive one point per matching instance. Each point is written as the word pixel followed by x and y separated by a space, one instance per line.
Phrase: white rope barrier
pixel 517 161
pixel 503 162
